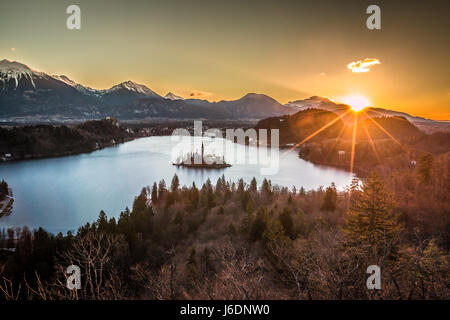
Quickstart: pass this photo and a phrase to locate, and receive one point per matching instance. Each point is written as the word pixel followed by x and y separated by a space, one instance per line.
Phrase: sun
pixel 356 102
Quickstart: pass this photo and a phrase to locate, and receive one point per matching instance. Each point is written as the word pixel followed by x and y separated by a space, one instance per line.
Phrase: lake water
pixel 61 194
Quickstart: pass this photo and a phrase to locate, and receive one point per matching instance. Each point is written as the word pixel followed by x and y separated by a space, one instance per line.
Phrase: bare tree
pixel 240 275
pixel 100 279
pixel 7 288
pixel 161 285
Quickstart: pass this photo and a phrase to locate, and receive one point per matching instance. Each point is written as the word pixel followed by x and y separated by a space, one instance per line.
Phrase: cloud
pixel 199 94
pixel 362 65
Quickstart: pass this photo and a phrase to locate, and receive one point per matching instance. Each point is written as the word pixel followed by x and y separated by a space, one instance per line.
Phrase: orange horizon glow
pixel 193 50
pixel 356 102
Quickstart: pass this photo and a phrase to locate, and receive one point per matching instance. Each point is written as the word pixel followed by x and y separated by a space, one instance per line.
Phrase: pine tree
pixel 192 268
pixel 220 185
pixel 287 223
pixel 294 190
pixel 329 201
pixel 161 188
pixel 253 185
pixel 175 183
pixel 424 167
pixel 102 222
pixel 274 235
pixel 266 188
pixel 245 199
pixel 194 198
pixel 154 193
pixel 259 225
pixel 371 220
pixel 240 188
pixel 208 188
pixel 433 270
pixel 140 202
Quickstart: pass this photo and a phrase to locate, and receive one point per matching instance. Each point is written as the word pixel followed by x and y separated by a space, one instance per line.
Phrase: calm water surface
pixel 61 194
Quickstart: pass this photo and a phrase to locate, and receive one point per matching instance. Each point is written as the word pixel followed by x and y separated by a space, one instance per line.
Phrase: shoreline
pixel 66 154
pixel 357 171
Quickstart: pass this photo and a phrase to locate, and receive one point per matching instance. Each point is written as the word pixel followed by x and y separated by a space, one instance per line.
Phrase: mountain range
pixel 340 109
pixel 25 92
pixel 28 93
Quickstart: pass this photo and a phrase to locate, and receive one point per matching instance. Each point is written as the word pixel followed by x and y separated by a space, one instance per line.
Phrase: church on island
pixel 202 161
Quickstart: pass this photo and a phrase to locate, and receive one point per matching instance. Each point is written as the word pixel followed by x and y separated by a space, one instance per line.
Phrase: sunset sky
pixel 224 49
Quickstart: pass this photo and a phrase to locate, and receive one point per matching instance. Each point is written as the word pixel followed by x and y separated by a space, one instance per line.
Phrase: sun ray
pixel 376 111
pixel 371 143
pixel 352 156
pixel 315 133
pixel 385 131
pixel 337 141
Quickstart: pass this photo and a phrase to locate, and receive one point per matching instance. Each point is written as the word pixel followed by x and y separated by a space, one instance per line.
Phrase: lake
pixel 61 194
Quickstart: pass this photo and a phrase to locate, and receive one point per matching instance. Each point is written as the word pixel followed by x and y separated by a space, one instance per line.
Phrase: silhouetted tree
pixel 371 220
pixel 330 198
pixel 175 183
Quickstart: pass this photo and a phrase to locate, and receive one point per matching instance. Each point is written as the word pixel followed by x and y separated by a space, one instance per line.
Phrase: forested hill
pixel 383 143
pixel 296 127
pixel 38 141
pixel 322 125
pixel 398 127
pixel 234 240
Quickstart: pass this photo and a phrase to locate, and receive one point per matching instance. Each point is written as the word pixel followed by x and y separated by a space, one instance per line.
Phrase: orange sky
pixel 286 49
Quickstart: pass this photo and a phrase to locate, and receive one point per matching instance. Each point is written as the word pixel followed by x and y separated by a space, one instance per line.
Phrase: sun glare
pixel 356 102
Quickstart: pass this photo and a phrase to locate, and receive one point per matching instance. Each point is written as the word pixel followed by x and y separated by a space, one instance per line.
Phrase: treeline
pixel 35 141
pixel 232 240
pixel 4 190
pixel 374 149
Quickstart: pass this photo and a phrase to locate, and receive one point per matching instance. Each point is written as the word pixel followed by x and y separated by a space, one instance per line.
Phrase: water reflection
pixel 60 194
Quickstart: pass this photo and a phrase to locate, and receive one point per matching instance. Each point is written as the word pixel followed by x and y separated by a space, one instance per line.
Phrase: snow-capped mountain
pixel 15 75
pixel 255 106
pixel 311 101
pixel 133 87
pixel 126 92
pixel 25 92
pixel 83 89
pixel 172 96
pixel 123 92
pixel 66 80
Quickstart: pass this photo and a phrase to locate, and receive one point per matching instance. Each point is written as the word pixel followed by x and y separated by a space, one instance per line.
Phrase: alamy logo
pixel 74 20
pixel 374 20
pixel 374 280
pixel 212 148
pixel 74 277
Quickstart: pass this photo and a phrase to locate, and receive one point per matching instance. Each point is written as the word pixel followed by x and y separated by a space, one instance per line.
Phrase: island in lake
pixel 201 161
